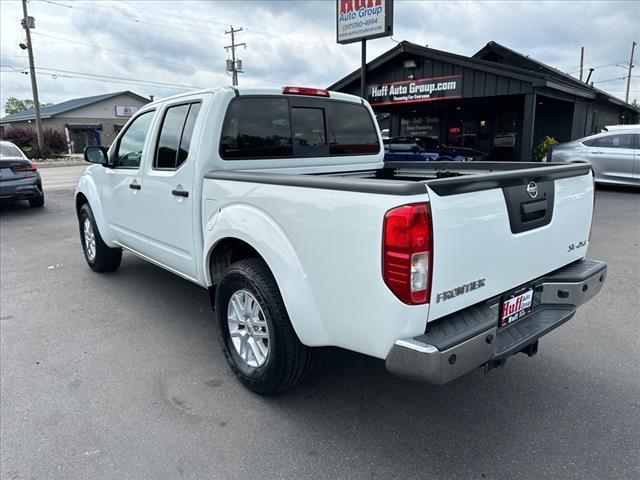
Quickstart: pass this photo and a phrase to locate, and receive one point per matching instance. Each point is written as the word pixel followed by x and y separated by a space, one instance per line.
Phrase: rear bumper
pixel 465 340
pixel 22 189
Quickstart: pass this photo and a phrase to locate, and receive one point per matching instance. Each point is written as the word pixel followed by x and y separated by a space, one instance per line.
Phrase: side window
pixel 257 128
pixel 175 136
pixel 590 143
pixel 627 141
pixel 308 126
pixel 616 141
pixel 351 130
pixel 129 151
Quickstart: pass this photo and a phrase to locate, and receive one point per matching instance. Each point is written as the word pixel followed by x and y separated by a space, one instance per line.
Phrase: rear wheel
pixel 99 256
pixel 255 332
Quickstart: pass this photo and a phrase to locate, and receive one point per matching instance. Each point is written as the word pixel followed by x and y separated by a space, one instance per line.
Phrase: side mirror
pixel 96 154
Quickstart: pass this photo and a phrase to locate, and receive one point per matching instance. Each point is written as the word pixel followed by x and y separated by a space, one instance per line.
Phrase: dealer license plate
pixel 515 306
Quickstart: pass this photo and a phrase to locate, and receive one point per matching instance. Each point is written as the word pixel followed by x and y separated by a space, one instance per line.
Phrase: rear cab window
pixel 292 127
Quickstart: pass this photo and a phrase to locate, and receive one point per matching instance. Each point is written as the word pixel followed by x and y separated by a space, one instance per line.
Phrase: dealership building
pixel 86 121
pixel 498 100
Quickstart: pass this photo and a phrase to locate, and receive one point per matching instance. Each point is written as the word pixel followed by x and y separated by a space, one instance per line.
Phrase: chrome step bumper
pixel 465 340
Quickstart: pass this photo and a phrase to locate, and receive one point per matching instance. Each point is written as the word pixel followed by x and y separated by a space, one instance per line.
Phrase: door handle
pixel 135 186
pixel 597 153
pixel 180 193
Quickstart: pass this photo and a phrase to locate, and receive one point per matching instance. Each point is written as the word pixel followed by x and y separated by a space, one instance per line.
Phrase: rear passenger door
pixel 169 200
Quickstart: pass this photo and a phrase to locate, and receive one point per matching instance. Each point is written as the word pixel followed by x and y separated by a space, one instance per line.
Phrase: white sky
pixel 289 42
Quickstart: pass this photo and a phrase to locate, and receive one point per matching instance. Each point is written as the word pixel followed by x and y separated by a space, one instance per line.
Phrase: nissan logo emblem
pixel 532 189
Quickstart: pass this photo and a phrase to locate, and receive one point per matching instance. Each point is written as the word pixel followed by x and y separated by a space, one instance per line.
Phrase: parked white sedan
pixel 614 154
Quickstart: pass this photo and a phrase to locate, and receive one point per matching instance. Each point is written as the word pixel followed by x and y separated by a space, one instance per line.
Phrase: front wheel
pixel 255 332
pixel 98 255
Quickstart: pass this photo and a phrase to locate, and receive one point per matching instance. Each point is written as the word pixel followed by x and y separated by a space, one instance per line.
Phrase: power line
pixel 122 17
pixel 165 14
pixel 249 29
pixel 610 79
pixel 161 84
pixel 600 66
pixel 120 82
pixel 57 72
pixel 93 45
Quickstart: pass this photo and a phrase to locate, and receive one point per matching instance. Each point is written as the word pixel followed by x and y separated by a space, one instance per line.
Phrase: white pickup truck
pixel 278 200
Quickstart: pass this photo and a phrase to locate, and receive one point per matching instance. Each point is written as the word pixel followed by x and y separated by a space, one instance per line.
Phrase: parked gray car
pixel 614 155
pixel 19 177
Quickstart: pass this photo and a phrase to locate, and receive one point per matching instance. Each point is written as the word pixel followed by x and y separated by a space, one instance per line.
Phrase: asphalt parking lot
pixel 119 376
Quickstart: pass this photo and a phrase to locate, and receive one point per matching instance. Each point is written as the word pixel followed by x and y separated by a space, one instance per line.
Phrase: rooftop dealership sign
pixel 363 19
pixel 419 90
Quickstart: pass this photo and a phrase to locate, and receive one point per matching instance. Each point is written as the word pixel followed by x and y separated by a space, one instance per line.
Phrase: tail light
pixel 24 167
pixel 407 253
pixel 315 92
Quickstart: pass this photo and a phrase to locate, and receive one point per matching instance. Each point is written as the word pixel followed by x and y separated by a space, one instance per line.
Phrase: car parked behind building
pixel 613 154
pixel 400 149
pixel 19 177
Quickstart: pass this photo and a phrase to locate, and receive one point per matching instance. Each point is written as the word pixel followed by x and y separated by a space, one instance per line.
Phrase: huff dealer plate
pixel 515 306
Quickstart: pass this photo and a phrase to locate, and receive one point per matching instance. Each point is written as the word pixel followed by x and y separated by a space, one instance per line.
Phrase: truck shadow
pixel 540 411
pixel 530 413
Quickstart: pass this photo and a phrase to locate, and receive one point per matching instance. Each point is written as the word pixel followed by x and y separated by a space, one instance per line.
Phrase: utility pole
pixel 633 47
pixel 29 23
pixel 236 66
pixel 581 61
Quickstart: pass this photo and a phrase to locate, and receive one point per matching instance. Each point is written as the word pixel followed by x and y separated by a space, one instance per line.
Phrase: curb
pixel 60 164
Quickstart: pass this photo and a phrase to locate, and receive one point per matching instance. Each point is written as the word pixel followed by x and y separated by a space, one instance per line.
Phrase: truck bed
pixel 409 178
pixel 491 221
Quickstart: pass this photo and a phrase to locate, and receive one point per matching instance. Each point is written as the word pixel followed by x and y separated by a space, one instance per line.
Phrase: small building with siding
pixel 85 121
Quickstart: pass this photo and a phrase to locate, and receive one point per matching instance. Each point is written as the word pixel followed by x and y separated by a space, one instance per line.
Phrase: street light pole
pixel 28 23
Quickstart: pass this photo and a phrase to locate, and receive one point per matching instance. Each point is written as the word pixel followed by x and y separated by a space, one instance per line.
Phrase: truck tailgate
pixel 489 241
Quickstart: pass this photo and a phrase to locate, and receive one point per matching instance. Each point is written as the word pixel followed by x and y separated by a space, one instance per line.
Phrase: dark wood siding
pixel 475 83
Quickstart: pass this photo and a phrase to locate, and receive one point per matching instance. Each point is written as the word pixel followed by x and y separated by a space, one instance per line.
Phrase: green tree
pixel 15 105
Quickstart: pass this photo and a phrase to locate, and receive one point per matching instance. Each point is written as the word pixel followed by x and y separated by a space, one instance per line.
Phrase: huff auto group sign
pixel 419 90
pixel 363 19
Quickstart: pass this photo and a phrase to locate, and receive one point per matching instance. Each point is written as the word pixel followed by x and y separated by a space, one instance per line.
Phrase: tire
pixel 100 257
pixel 287 361
pixel 37 202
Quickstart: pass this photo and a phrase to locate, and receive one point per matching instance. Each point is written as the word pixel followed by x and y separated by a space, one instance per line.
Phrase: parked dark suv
pixel 427 149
